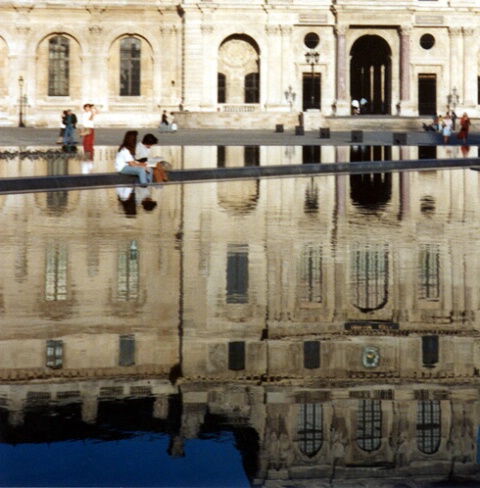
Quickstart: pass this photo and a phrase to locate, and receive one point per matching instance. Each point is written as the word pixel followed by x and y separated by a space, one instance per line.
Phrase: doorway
pixel 371 73
pixel 312 83
pixel 427 94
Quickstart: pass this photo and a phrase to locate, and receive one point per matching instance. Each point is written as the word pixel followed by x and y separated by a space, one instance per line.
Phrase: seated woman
pixel 125 162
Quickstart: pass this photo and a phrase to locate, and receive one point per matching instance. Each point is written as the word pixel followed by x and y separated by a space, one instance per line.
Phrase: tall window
pixel 429 273
pixel 130 51
pixel 237 274
pixel 310 428
pixel 56 273
pixel 127 272
pixel 252 88
pixel 311 274
pixel 369 425
pixel 54 354
pixel 222 88
pixel 370 277
pixel 429 351
pixel 58 66
pixel 428 426
pixel 127 350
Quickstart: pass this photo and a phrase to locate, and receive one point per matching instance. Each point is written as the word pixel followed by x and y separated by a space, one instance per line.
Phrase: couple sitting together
pixel 134 159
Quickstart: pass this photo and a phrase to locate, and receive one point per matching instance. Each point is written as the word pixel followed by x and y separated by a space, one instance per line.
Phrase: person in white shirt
pixel 142 154
pixel 142 149
pixel 125 162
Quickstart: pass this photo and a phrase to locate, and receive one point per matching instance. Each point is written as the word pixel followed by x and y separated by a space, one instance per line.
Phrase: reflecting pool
pixel 303 331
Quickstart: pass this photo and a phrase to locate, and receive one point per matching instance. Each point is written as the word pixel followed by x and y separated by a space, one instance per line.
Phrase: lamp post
pixel 290 96
pixel 20 115
pixel 312 58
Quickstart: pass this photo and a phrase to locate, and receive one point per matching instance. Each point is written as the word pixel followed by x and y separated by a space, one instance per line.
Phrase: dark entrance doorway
pixel 311 91
pixel 371 74
pixel 427 94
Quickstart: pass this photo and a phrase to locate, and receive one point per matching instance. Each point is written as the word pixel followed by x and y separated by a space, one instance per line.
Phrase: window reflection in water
pixel 242 326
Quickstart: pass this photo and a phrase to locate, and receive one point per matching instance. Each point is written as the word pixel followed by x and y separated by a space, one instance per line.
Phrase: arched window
pixel 428 426
pixel 130 52
pixel 252 88
pixel 369 277
pixel 310 428
pixel 238 70
pixel 58 66
pixel 369 425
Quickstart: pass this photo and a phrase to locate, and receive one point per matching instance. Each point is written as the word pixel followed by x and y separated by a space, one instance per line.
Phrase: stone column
pixel 209 96
pixel 469 95
pixel 404 185
pixel 343 105
pixel 456 57
pixel 286 81
pixel 192 60
pixel 405 64
pixel 167 77
pixel 274 69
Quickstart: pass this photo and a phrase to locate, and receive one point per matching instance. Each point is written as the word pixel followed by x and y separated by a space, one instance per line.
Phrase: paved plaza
pixel 12 136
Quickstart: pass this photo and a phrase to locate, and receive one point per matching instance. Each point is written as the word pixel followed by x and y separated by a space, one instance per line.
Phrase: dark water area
pixel 281 332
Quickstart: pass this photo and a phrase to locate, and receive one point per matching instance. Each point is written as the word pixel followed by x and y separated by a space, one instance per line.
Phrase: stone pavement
pixel 14 136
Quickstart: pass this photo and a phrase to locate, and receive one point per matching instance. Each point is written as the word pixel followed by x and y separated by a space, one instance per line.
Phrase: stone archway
pixel 371 73
pixel 239 70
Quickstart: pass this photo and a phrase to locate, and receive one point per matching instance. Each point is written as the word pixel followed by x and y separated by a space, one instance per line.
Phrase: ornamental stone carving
pixel 236 53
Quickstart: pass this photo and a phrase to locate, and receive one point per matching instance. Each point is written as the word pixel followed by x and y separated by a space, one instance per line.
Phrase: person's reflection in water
pixel 465 150
pixel 131 198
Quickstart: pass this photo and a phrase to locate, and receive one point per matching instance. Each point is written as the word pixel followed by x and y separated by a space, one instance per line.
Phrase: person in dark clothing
pixel 70 125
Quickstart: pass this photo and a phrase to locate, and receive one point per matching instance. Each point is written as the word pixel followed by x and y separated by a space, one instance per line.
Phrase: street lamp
pixel 312 58
pixel 290 96
pixel 453 99
pixel 20 115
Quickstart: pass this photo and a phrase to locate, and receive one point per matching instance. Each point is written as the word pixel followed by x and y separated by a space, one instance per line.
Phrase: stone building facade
pixel 195 58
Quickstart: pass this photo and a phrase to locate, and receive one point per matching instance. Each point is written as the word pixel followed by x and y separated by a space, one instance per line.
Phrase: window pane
pixel 236 355
pixel 127 350
pixel 237 274
pixel 369 425
pixel 310 428
pixel 58 66
pixel 428 426
pixel 130 51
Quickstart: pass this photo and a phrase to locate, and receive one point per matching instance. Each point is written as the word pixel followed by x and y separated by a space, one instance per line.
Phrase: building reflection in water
pixel 329 323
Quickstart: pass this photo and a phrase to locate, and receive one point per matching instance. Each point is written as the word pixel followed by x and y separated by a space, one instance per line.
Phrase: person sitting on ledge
pixel 125 162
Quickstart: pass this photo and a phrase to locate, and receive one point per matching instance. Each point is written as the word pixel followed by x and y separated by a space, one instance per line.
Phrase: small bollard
pixel 299 130
pixel 400 138
pixel 357 135
pixel 324 133
pixel 279 128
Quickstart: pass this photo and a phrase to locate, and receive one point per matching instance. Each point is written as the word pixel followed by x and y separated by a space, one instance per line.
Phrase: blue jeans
pixel 69 136
pixel 143 176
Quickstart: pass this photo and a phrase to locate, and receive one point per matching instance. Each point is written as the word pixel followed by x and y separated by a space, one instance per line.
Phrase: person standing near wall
pixel 88 117
pixel 70 124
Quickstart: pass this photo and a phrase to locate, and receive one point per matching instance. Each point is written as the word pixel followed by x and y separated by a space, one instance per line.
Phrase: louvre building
pixel 237 63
